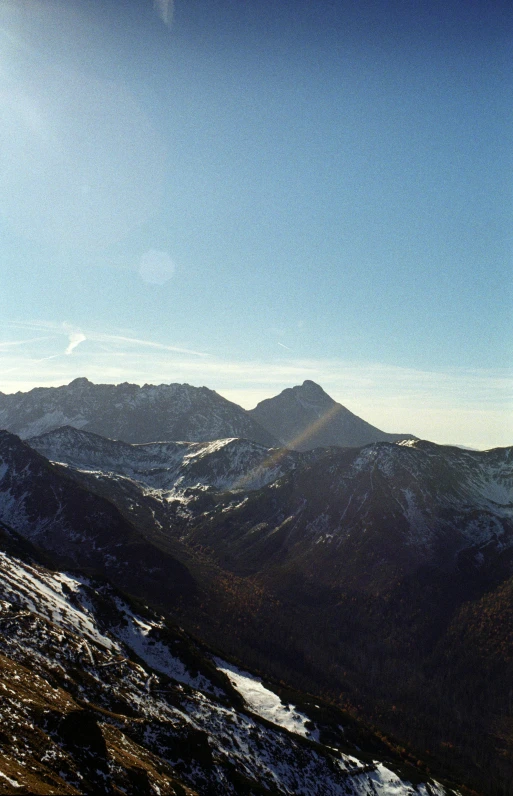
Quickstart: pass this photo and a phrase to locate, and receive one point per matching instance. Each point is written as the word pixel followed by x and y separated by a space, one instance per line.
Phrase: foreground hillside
pixel 98 697
pixel 380 577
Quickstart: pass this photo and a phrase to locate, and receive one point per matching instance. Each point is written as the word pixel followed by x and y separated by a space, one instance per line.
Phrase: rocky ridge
pixel 130 412
pixel 302 418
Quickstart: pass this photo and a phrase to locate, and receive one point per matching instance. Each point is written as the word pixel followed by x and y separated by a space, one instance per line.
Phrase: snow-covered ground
pixel 50 594
pixel 138 635
pixel 67 619
pixel 266 703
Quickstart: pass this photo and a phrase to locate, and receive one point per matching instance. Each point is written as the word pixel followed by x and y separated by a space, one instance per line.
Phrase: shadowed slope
pixel 306 417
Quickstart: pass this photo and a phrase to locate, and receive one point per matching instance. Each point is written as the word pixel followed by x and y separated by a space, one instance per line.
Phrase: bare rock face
pixel 129 412
pixel 306 417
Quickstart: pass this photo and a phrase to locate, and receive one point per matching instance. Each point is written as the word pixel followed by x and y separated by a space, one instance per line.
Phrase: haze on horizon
pixel 247 195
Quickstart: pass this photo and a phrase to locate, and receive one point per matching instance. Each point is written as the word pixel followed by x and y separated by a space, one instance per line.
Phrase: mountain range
pixel 104 695
pixel 301 418
pixel 376 581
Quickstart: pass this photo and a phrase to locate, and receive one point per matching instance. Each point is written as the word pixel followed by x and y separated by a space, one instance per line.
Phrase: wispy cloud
pixel 75 338
pixel 5 346
pixel 284 346
pixel 164 9
pixel 135 341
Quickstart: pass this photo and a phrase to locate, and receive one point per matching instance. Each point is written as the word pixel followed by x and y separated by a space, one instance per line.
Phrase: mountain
pixel 380 576
pixel 300 418
pixel 306 417
pixel 130 412
pixel 223 464
pixel 80 529
pixel 362 516
pixel 161 485
pixel 99 696
pixel 397 507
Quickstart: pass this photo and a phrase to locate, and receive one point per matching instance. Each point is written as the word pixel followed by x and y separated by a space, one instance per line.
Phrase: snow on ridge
pixel 60 598
pixel 267 755
pixel 375 778
pixel 225 463
pixel 137 635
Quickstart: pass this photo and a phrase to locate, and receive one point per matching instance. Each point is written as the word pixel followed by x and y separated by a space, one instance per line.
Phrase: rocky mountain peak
pixel 306 417
pixel 312 392
pixel 80 383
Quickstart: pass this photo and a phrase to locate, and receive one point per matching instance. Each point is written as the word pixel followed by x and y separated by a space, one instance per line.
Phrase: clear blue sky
pixel 246 193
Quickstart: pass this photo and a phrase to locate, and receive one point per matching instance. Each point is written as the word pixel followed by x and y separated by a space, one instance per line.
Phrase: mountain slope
pixel 223 464
pixel 380 576
pixel 410 505
pixel 80 528
pixel 129 412
pixel 362 515
pixel 305 417
pixel 99 698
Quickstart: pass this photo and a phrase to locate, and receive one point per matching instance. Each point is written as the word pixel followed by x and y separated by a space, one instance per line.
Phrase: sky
pixel 246 194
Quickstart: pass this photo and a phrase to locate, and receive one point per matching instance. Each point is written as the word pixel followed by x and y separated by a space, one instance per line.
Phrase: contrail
pixel 164 9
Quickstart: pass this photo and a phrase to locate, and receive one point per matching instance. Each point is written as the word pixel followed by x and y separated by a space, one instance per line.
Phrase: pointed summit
pixel 310 386
pixel 306 417
pixel 312 393
pixel 80 382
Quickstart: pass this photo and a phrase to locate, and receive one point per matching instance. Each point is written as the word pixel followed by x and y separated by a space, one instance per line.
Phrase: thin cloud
pixel 100 337
pixel 75 338
pixel 12 343
pixel 164 9
pixel 117 338
pixel 285 346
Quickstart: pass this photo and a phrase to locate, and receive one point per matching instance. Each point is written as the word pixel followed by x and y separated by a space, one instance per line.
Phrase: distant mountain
pixel 306 417
pixel 130 412
pixel 221 464
pixel 362 518
pixel 301 418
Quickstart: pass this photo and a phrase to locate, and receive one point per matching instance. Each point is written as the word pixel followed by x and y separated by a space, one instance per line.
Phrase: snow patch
pixel 266 703
pixel 137 635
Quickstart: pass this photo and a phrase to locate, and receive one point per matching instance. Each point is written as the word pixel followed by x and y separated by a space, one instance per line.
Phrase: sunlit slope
pixel 101 698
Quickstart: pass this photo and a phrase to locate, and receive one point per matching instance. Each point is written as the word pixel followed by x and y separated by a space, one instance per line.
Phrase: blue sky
pixel 246 194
